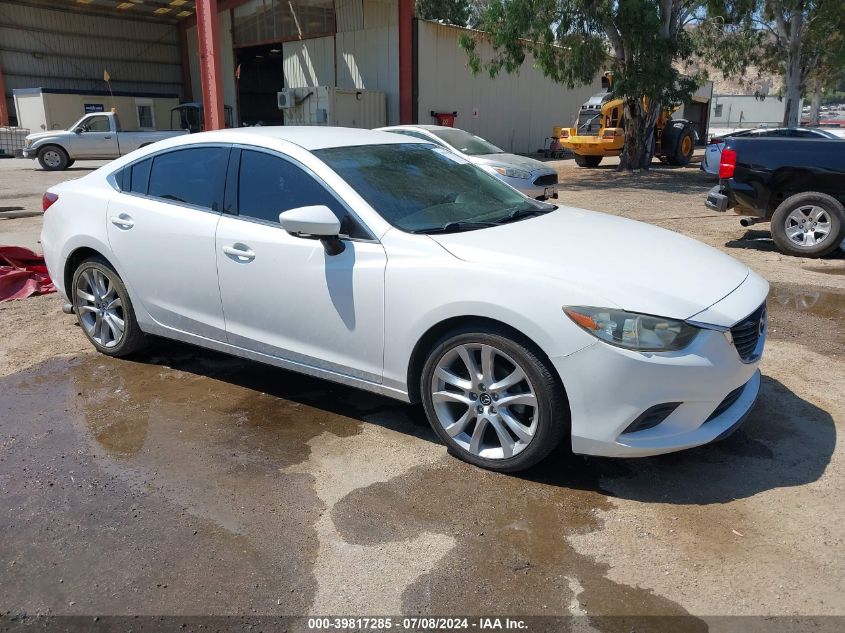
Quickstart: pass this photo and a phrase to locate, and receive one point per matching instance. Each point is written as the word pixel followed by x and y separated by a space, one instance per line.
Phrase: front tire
pixel 810 224
pixel 53 158
pixel 492 400
pixel 104 310
pixel 587 161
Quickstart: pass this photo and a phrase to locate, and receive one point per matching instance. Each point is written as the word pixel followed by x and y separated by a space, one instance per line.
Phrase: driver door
pixel 284 296
pixel 96 140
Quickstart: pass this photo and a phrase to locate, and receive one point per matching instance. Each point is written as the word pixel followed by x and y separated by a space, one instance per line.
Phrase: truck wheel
pixel 684 148
pixel 53 158
pixel 587 161
pixel 809 224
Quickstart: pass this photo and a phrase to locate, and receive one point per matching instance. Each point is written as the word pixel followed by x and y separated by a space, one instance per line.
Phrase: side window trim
pixel 240 147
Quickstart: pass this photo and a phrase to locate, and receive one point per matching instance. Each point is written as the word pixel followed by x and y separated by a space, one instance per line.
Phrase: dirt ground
pixel 185 482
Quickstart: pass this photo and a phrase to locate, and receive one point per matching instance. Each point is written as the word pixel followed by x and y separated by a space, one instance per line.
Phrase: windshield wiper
pixel 454 227
pixel 518 213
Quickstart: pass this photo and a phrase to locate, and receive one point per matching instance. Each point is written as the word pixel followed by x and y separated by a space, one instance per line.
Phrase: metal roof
pixel 170 11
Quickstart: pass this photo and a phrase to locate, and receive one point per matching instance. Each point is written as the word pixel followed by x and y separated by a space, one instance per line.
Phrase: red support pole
pixel 210 65
pixel 406 61
pixel 4 105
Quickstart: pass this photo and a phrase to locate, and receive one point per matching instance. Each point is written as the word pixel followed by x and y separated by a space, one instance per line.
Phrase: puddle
pixel 828 304
pixel 190 482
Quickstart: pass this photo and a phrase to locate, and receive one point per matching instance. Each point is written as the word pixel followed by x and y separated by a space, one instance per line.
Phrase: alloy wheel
pixel 484 401
pixel 100 307
pixel 808 225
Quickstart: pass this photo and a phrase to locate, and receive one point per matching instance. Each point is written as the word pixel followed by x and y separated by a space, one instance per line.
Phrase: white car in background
pixel 713 151
pixel 392 265
pixel 530 176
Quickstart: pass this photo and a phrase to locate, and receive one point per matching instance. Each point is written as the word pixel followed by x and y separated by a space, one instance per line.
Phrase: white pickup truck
pixel 94 136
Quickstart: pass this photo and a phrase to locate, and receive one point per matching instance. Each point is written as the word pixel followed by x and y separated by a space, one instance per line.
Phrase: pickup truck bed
pixel 797 184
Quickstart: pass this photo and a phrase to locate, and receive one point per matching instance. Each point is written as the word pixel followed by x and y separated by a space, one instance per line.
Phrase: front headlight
pixel 631 330
pixel 512 172
pixel 27 142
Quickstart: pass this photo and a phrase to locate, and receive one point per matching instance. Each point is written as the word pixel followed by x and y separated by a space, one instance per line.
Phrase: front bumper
pixel 609 388
pixel 28 152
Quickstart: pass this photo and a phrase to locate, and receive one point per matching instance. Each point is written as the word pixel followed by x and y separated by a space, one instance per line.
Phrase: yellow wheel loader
pixel 600 132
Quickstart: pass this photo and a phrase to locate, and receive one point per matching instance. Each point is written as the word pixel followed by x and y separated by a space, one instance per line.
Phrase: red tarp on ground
pixel 22 274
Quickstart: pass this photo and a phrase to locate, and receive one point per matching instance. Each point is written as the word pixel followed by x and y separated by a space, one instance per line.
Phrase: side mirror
pixel 316 221
pixel 78 130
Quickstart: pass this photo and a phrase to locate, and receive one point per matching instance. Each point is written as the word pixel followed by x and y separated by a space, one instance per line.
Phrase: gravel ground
pixel 185 482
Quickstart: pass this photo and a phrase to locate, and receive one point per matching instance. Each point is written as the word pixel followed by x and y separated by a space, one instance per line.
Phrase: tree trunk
pixel 639 135
pixel 814 107
pixel 792 111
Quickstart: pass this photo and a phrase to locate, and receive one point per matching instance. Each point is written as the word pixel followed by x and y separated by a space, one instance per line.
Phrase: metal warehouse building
pixel 319 51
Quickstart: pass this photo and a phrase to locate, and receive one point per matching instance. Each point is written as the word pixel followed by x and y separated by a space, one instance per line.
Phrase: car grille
pixel 546 180
pixel 726 404
pixel 747 332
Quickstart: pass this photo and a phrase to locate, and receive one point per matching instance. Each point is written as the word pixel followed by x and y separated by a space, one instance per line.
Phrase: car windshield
pixel 467 143
pixel 421 188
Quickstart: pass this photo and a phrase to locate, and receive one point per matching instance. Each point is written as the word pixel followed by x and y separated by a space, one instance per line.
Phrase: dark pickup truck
pixel 798 184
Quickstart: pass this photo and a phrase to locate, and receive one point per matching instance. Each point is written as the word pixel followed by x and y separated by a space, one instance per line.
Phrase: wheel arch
pixel 425 344
pixel 76 257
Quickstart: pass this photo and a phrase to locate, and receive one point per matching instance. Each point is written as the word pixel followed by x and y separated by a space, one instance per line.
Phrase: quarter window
pixel 139 176
pixel 193 176
pixel 269 185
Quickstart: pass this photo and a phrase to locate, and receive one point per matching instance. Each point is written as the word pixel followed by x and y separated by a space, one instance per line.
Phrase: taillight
pixel 727 164
pixel 609 133
pixel 48 199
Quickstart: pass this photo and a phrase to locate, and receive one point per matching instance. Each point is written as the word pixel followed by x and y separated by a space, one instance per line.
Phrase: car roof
pixel 307 137
pixel 415 126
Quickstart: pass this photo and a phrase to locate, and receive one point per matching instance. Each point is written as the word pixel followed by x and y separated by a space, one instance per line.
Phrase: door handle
pixel 122 221
pixel 239 252
pixel 107 137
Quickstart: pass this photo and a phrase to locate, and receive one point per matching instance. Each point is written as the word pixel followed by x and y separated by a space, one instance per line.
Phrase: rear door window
pixel 194 175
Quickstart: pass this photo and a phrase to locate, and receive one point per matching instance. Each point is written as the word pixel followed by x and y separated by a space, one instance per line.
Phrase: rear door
pixel 161 227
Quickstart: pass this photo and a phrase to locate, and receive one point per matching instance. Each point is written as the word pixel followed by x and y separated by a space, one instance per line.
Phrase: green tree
pixel 572 41
pixel 800 40
pixel 456 12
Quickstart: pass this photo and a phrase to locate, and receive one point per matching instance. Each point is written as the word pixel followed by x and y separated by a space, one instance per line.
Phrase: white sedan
pixel 528 175
pixel 396 266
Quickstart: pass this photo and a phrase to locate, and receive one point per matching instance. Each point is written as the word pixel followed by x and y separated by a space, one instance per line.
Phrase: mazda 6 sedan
pixel 397 266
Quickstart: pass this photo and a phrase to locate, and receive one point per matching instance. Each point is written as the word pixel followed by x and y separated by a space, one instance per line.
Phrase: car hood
pixel 624 263
pixel 39 135
pixel 509 160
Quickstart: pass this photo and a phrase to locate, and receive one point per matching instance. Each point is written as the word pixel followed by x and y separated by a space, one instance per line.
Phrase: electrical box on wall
pixel 327 105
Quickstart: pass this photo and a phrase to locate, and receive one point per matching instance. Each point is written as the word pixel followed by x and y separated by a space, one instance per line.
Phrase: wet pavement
pixel 189 482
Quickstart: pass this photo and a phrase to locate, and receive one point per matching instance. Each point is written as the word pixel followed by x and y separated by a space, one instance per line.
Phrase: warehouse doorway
pixel 259 77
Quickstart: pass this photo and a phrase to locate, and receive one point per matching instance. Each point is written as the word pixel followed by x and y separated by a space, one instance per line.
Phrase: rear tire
pixel 467 407
pixel 684 149
pixel 53 158
pixel 810 224
pixel 587 161
pixel 103 308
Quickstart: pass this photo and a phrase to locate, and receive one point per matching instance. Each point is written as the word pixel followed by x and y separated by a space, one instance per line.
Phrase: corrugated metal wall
pixel 48 48
pixel 309 63
pixel 515 112
pixel 368 57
